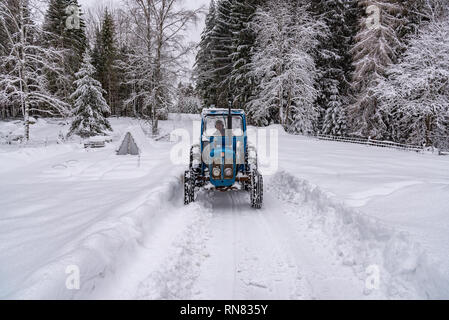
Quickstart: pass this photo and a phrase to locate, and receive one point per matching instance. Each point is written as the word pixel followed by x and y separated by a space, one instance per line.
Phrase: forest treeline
pixel 369 68
pixel 137 52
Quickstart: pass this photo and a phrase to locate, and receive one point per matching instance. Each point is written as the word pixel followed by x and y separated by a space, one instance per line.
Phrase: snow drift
pixel 99 249
pixel 361 241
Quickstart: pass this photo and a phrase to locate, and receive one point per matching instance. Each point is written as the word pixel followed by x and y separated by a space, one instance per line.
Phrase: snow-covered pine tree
pixel 90 107
pixel 333 60
pixel 242 85
pixel 106 69
pixel 187 100
pixel 221 49
pixel 124 89
pixel 64 29
pixel 284 68
pixel 23 80
pixel 416 90
pixel 377 46
pixel 417 12
pixel 205 81
pixel 96 54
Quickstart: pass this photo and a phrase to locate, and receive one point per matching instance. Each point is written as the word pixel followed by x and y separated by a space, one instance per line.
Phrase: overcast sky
pixel 194 33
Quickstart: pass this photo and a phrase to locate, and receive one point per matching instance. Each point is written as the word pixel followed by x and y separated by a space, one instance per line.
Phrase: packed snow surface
pixel 335 217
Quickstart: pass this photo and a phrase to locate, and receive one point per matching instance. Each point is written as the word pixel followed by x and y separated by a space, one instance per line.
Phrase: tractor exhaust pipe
pixel 230 115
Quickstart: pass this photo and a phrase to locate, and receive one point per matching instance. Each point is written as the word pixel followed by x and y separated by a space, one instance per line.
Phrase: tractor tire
pixel 256 190
pixel 189 187
pixel 194 156
pixel 191 158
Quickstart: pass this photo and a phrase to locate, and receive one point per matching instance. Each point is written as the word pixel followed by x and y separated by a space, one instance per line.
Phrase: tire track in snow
pixel 259 255
pixel 220 248
pixel 320 275
pixel 178 267
pixel 266 271
pixel 167 262
pixel 359 242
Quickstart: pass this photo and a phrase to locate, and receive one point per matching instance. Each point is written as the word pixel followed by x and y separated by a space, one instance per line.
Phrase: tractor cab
pixel 223 146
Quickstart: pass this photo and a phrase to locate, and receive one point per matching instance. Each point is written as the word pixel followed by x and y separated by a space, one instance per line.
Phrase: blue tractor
pixel 224 160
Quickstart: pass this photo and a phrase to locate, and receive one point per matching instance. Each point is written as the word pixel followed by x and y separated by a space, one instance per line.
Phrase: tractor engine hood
pixel 222 168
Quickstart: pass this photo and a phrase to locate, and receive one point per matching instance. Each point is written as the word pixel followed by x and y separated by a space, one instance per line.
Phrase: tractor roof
pixel 211 111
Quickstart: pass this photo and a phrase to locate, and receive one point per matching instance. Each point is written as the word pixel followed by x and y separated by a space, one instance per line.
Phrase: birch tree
pixel 160 53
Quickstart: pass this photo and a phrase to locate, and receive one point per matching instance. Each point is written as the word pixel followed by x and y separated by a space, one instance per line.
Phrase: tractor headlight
pixel 229 172
pixel 216 172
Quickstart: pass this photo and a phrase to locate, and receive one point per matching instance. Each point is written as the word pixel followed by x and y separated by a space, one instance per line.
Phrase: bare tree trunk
pixel 281 95
pixel 160 23
pixel 26 119
pixel 110 93
pixel 24 82
pixel 428 123
pixel 287 111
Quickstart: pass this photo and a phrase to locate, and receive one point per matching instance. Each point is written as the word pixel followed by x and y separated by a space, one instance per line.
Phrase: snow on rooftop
pixel 138 136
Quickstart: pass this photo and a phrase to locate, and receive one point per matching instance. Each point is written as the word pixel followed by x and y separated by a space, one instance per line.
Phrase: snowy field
pixel 335 214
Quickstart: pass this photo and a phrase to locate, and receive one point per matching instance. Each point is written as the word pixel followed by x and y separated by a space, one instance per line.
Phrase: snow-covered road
pixel 122 222
pixel 220 248
pixel 267 255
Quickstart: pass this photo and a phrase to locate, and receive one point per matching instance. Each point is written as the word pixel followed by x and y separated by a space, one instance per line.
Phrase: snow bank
pixel 101 248
pixel 12 157
pixel 42 131
pixel 177 273
pixel 11 128
pixel 361 241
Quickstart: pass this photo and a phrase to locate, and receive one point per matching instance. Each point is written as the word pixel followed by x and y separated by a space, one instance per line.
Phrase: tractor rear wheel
pixel 189 187
pixel 256 190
